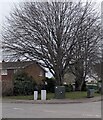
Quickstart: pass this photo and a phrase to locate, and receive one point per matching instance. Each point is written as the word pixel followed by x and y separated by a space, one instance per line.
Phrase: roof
pixel 18 64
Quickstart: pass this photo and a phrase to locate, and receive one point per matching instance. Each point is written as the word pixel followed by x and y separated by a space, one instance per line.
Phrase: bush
pixel 50 84
pixel 23 84
pixel 99 85
pixel 68 88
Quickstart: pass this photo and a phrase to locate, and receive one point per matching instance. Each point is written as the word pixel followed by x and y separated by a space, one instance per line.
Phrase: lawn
pixel 69 95
pixel 78 95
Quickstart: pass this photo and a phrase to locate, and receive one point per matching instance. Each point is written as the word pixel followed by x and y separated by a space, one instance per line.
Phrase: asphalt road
pixel 75 110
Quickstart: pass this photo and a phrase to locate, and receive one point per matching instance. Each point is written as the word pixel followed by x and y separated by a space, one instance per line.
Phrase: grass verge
pixel 68 95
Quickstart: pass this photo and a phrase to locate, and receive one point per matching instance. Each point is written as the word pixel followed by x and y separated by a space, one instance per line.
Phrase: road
pixel 75 110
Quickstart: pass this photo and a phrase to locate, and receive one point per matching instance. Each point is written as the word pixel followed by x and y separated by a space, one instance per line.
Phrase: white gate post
pixel 35 95
pixel 43 94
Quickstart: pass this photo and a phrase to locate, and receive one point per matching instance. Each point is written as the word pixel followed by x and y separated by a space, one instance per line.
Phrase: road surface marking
pixel 18 109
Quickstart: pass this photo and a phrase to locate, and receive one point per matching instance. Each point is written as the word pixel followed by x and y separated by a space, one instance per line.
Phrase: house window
pixel 4 72
pixel 41 73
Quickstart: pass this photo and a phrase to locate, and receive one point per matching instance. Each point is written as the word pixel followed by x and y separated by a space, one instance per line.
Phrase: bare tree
pixel 87 50
pixel 50 32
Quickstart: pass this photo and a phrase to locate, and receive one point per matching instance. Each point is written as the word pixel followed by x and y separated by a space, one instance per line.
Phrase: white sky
pixel 7 5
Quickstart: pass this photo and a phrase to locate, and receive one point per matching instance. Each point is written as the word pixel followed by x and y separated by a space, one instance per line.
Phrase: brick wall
pixel 7 83
pixel 32 70
pixel 35 71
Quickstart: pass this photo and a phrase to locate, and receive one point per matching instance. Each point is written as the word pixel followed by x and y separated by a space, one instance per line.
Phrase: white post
pixel 35 95
pixel 43 94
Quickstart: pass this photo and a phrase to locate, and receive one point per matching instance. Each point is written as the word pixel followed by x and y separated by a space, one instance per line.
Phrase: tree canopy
pixel 57 33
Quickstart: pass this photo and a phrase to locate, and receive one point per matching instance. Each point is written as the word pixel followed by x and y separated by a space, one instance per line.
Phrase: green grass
pixel 78 95
pixel 19 97
pixel 69 95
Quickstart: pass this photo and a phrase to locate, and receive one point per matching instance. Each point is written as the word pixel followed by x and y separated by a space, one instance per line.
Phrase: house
pixel 98 69
pixel 69 78
pixel 8 69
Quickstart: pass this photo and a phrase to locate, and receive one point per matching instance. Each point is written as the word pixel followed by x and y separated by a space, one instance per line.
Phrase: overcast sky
pixel 7 5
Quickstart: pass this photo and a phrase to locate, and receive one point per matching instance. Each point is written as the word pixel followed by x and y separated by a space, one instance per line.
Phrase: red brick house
pixel 8 69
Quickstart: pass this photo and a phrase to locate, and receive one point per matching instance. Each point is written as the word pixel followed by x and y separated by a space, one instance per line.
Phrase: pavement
pixel 55 101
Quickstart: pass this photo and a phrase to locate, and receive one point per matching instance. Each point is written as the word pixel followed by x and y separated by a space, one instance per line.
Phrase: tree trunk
pixel 59 80
pixel 84 86
pixel 80 84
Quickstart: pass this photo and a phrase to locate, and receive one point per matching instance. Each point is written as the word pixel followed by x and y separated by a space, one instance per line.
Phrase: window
pixel 3 72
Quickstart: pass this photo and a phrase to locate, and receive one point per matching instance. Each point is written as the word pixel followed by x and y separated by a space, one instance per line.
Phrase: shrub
pixel 23 84
pixel 99 85
pixel 68 88
pixel 50 84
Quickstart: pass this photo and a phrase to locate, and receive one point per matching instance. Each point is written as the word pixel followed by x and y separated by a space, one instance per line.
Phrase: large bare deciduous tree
pixel 52 32
pixel 87 52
